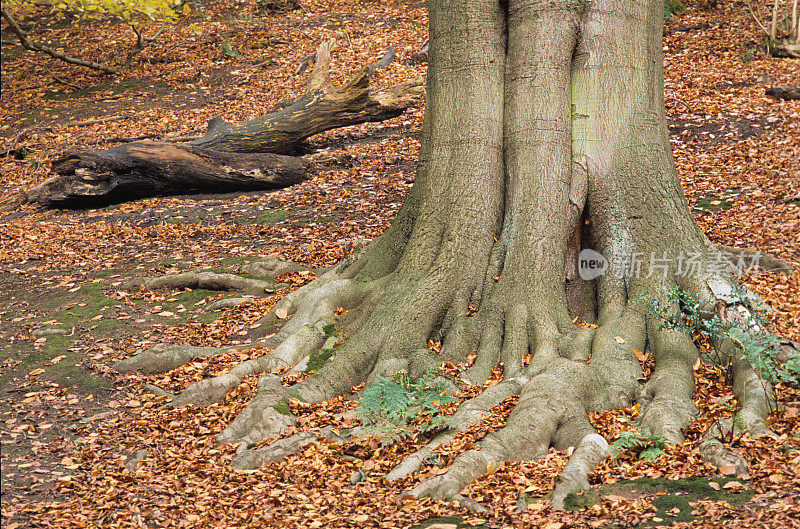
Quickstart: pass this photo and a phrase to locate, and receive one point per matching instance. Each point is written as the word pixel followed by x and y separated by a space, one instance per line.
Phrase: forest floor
pixel 85 446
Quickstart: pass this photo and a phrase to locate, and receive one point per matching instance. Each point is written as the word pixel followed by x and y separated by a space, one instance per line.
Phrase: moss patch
pixel 115 89
pixel 270 217
pixel 244 259
pixel 672 496
pixel 458 521
pixel 318 358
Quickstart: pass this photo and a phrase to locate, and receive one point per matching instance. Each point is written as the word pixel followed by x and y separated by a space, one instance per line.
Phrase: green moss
pixel 581 499
pixel 696 486
pixel 87 303
pixel 672 497
pixel 672 8
pixel 282 408
pixel 244 259
pixel 182 220
pixel 69 372
pixel 271 217
pixel 115 88
pixel 318 358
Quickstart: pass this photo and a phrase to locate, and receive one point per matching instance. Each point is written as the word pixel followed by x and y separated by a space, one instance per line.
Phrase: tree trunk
pixel 545 145
pixel 148 168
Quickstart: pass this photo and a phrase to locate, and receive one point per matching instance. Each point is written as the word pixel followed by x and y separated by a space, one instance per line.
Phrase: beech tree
pixel 544 136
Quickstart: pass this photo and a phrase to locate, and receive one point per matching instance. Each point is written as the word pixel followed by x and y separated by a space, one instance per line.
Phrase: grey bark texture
pixel 544 134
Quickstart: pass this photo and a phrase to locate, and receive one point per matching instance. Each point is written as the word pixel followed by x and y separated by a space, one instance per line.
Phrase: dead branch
pixel 28 44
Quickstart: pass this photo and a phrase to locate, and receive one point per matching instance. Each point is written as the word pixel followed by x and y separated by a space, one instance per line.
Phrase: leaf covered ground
pixel 84 446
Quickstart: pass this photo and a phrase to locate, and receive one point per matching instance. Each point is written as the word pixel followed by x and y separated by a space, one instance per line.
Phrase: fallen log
pixel 322 107
pixel 245 157
pixel 155 168
pixel 784 92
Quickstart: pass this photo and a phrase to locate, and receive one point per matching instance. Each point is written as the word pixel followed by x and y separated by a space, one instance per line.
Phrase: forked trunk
pixel 546 195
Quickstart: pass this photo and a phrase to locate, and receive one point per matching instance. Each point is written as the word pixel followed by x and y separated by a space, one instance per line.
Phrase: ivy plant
pixel 749 331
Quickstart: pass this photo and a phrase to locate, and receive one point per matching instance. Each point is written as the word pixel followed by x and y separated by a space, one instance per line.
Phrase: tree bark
pixel 152 168
pixel 531 155
pixel 323 107
pixel 228 157
pixel 784 92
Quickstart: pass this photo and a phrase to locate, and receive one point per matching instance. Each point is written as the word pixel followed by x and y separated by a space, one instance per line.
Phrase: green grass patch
pixel 716 203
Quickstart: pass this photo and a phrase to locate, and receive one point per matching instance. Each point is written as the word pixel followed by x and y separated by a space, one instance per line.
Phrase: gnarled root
pixel 262 274
pixel 575 476
pixel 205 280
pixel 164 357
pixel 277 451
pixel 266 416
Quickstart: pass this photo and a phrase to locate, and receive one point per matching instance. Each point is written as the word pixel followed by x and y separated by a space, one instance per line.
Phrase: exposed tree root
pixel 589 453
pixel 764 261
pixel 468 413
pixel 204 280
pixel 483 256
pixel 714 452
pixel 163 357
pixel 277 451
pixel 577 371
pixel 226 303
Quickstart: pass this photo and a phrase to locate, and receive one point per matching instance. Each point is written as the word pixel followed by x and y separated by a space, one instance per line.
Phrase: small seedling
pixel 228 49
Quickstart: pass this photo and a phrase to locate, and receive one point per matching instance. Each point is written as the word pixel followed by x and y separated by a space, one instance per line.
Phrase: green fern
pixel 641 441
pixel 397 407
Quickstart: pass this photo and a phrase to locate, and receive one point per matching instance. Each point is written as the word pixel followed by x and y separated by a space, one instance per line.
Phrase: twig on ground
pixel 684 103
